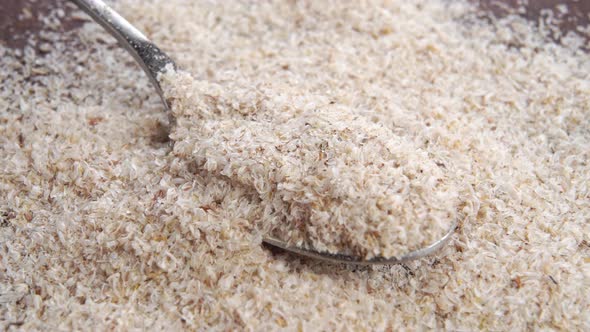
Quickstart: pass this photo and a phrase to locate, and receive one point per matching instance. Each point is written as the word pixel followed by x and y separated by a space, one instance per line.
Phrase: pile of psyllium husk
pixel 323 124
pixel 327 178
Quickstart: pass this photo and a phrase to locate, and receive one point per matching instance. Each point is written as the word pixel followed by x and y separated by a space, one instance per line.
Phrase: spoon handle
pixel 148 55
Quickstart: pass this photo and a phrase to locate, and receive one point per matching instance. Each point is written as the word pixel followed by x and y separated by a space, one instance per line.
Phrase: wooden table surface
pixel 19 18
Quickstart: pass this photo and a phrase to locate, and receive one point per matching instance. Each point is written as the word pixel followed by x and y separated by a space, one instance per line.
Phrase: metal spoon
pixel 153 61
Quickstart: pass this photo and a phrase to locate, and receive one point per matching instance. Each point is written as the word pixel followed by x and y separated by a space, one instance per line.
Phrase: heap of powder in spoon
pixel 328 179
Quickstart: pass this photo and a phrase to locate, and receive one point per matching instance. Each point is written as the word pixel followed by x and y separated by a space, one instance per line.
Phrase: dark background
pixel 15 29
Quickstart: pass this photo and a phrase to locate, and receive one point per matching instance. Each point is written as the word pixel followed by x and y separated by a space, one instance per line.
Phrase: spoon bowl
pixel 154 61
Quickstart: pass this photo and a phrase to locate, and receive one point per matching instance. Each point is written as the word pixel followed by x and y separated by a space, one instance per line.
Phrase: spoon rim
pixel 357 260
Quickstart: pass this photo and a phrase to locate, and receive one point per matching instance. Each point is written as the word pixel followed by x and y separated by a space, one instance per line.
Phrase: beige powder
pixel 103 226
pixel 327 178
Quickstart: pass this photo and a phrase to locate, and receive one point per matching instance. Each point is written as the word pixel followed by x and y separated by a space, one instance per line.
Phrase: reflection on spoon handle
pixel 148 55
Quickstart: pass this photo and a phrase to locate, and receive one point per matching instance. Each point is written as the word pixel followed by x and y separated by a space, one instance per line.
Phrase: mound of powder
pixel 328 178
pixel 103 227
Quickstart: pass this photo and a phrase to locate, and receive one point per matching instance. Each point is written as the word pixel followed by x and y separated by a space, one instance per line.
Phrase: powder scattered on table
pixel 104 226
